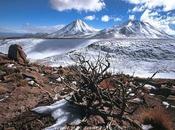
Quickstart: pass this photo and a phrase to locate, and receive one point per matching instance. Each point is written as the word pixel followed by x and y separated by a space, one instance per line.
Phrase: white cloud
pixel 156 12
pixel 131 17
pixel 138 9
pixel 173 22
pixel 79 5
pixel 161 22
pixel 105 18
pixel 90 17
pixel 136 1
pixel 167 5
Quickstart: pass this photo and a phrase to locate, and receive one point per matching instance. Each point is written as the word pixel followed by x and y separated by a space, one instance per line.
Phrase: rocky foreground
pixel 24 86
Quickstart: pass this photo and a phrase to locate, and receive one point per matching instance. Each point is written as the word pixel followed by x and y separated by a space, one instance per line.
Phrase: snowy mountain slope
pixel 75 29
pixel 142 57
pixel 133 29
pixel 28 44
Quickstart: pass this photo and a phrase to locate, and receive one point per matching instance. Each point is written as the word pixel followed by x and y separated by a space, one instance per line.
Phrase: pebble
pixel 166 104
pixel 151 94
pixel 149 87
pixel 74 83
pixel 31 82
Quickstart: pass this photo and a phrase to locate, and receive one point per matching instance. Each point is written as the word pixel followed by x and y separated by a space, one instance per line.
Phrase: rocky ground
pixel 24 86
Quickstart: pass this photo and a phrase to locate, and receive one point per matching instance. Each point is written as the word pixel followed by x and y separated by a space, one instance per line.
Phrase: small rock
pixel 129 90
pixel 11 66
pixel 136 100
pixel 151 94
pixel 59 79
pixel 74 83
pixel 28 79
pixel 51 82
pixel 166 104
pixel 132 94
pixel 149 87
pixel 31 83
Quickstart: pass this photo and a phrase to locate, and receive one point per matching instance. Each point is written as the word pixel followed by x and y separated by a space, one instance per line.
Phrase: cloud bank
pixel 28 28
pixel 79 5
pixel 90 17
pixel 157 12
pixel 166 5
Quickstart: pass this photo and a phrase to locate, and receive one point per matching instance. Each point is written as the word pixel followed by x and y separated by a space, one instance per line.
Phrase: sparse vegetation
pixel 158 118
pixel 114 102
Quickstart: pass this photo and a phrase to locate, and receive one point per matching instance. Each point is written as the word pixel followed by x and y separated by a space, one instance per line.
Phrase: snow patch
pixel 63 112
pixel 146 127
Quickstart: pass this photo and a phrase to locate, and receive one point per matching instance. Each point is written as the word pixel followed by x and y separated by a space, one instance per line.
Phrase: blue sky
pixel 32 15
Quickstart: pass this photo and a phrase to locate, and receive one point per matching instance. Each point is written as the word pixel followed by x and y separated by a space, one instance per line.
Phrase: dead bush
pixel 95 98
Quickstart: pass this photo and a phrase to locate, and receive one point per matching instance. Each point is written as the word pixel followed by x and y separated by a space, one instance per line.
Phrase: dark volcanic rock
pixel 165 91
pixel 16 53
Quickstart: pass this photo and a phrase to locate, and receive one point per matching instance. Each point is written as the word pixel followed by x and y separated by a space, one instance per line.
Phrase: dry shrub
pixel 157 117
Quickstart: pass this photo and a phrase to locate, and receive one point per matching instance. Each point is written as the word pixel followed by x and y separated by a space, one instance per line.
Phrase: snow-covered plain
pixel 142 57
pixel 42 48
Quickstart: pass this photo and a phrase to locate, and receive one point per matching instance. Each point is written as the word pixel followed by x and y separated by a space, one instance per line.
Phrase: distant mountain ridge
pixel 79 29
pixel 133 29
pixel 129 29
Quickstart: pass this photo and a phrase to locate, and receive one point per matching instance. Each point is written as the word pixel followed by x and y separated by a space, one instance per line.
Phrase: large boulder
pixel 16 53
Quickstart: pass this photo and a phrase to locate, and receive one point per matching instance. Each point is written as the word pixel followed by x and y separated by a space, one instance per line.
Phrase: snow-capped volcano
pixel 130 29
pixel 141 29
pixel 135 29
pixel 77 28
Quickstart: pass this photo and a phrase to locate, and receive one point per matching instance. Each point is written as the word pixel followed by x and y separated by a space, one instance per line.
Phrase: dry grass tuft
pixel 158 118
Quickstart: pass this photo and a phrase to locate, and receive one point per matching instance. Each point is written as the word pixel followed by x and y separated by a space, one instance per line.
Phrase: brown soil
pixel 18 97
